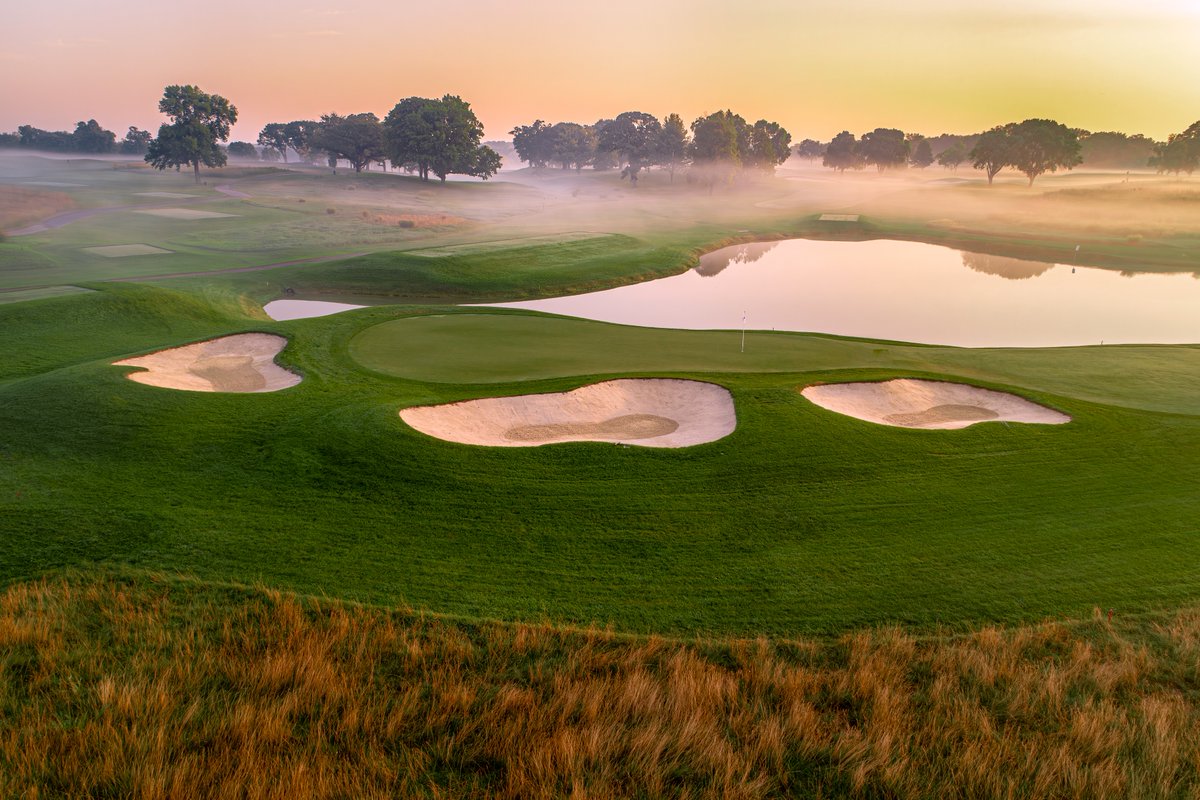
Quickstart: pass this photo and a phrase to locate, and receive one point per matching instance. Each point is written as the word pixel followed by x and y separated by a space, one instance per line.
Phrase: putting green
pixel 500 348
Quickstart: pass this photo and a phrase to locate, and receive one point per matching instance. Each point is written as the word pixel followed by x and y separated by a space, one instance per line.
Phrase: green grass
pixel 497 347
pixel 801 520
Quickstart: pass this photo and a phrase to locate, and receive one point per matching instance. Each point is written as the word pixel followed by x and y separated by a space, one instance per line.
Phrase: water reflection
pixel 304 309
pixel 905 291
pixel 713 263
pixel 1013 269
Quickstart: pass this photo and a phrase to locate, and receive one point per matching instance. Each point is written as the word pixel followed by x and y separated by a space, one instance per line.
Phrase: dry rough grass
pixel 125 686
pixel 20 206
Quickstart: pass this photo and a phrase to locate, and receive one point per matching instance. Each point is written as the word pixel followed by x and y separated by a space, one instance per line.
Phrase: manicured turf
pixel 801 520
pixel 493 347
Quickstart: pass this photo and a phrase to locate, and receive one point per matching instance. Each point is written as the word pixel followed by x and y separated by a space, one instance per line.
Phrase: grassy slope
pixel 801 520
pixel 140 686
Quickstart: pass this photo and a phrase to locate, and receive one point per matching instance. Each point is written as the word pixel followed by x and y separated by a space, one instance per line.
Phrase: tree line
pixel 1032 147
pixel 442 137
pixel 717 145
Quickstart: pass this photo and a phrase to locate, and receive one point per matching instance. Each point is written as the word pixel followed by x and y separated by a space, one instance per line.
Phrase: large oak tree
pixel 199 123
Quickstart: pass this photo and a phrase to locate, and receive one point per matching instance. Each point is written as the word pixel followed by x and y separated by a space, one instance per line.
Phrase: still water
pixel 304 309
pixel 904 291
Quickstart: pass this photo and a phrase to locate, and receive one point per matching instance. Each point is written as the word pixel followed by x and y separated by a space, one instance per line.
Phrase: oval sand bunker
pixel 912 403
pixel 651 412
pixel 244 362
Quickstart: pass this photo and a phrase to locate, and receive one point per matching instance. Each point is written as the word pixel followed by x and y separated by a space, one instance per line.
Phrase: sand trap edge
pixel 488 421
pixel 159 369
pixel 946 405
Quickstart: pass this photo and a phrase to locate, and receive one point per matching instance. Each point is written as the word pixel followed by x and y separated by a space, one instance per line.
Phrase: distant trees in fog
pixel 716 146
pixel 1180 153
pixel 357 138
pixel 842 153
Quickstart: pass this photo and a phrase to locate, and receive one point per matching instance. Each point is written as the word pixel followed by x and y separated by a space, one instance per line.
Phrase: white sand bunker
pixel 125 250
pixel 183 213
pixel 651 412
pixel 912 403
pixel 244 362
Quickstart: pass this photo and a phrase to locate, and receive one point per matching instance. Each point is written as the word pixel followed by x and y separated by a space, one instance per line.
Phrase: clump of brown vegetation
pixel 415 220
pixel 20 206
pixel 134 686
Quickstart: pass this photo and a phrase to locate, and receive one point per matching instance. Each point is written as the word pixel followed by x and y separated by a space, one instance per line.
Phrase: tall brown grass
pixel 133 686
pixel 20 206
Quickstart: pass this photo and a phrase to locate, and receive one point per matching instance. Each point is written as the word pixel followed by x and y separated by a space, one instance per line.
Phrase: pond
pixel 304 309
pixel 905 291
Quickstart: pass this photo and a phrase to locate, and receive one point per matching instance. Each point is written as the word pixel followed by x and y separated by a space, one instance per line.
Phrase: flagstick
pixel 743 331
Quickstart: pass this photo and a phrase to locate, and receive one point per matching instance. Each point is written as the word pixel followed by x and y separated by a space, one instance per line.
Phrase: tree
pixel 769 145
pixel 1180 153
pixel 922 154
pixel 199 123
pixel 718 142
pixel 1042 145
pixel 602 159
pixel 810 149
pixel 357 138
pixel 298 135
pixel 572 145
pixel 842 153
pixel 992 152
pixel 634 136
pixel 273 136
pixel 886 148
pixel 1115 150
pixel 439 136
pixel 952 156
pixel 89 137
pixel 136 142
pixel 243 150
pixel 673 144
pixel 534 143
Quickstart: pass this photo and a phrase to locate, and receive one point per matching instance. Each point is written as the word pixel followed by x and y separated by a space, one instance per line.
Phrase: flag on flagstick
pixel 743 331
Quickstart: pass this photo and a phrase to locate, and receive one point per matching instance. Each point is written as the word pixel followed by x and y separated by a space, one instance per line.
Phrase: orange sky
pixel 816 66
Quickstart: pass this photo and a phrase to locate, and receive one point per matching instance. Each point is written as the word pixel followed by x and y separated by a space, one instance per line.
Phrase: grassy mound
pixel 143 687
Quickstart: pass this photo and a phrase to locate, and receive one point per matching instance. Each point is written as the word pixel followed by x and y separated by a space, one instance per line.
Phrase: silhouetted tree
pixel 842 153
pixel 199 123
pixel 298 134
pixel 136 142
pixel 634 136
pixel 534 143
pixel 273 136
pixel 243 150
pixel 438 136
pixel 572 145
pixel 886 148
pixel 810 149
pixel 673 144
pixel 992 152
pixel 1115 150
pixel 357 138
pixel 1037 146
pixel 1180 153
pixel 769 145
pixel 922 154
pixel 718 141
pixel 952 156
pixel 89 137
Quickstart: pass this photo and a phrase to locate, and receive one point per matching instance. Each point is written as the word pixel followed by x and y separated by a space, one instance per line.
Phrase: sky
pixel 815 66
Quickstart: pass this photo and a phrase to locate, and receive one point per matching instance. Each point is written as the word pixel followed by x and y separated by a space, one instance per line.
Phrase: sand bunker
pixel 912 403
pixel 123 250
pixel 241 363
pixel 651 412
pixel 838 218
pixel 183 213
pixel 167 195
